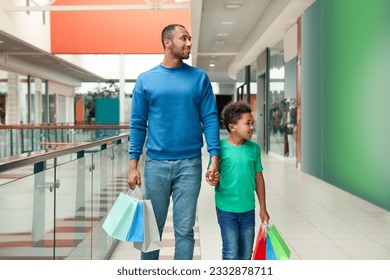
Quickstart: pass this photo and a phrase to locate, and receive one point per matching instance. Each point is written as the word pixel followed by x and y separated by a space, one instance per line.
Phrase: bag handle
pixel 136 193
pixel 267 226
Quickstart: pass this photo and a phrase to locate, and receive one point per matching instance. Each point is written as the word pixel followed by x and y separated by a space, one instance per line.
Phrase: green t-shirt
pixel 238 166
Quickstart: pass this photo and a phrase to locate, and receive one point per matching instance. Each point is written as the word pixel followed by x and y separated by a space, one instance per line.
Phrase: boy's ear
pixel 231 127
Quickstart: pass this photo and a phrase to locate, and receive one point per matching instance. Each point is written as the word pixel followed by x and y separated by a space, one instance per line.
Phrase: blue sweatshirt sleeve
pixel 209 118
pixel 138 121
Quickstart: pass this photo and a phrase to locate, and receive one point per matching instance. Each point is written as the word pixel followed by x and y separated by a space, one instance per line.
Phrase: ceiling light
pixel 226 22
pixel 212 65
pixel 232 6
pixel 222 34
pixel 219 42
pixel 1 42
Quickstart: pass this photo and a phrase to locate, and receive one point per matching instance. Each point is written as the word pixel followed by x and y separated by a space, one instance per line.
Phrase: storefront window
pixel 282 106
pixel 276 101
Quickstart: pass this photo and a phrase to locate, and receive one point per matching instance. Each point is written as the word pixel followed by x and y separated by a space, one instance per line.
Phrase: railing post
pixel 118 159
pixel 38 222
pixel 12 142
pixel 32 141
pixel 80 191
pixel 22 140
pixel 62 134
pixel 103 166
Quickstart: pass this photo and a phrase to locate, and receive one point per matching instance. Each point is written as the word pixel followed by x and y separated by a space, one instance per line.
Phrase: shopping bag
pixel 136 228
pixel 270 253
pixel 259 252
pixel 120 217
pixel 152 241
pixel 280 247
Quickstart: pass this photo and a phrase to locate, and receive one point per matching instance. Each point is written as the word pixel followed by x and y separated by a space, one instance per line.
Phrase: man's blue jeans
pixel 182 180
pixel 238 232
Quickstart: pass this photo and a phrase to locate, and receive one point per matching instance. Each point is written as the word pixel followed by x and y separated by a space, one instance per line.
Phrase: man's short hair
pixel 168 32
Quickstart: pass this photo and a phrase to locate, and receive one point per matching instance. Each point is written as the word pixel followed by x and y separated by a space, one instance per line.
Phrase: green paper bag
pixel 120 217
pixel 281 249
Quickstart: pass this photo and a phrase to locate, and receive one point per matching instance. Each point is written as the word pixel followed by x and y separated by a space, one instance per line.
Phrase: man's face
pixel 180 46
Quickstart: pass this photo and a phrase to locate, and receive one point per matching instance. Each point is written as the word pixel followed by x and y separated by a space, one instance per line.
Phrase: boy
pixel 240 177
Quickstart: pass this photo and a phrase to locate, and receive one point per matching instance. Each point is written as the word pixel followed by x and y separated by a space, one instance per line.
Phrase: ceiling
pixel 13 51
pixel 229 34
pixel 224 26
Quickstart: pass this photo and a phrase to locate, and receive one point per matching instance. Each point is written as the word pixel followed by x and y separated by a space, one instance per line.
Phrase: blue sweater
pixel 174 106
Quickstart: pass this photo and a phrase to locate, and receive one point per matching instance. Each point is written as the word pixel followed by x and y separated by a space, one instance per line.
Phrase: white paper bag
pixel 152 240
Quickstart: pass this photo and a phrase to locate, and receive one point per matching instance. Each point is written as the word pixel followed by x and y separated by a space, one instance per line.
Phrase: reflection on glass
pixel 276 96
pixel 58 213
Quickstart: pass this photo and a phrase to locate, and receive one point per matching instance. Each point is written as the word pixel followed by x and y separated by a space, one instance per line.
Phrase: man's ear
pixel 167 43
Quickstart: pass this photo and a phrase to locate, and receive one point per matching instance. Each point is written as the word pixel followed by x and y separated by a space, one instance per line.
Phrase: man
pixel 173 103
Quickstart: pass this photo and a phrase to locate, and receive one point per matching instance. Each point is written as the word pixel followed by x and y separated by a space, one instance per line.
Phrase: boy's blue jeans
pixel 238 232
pixel 182 180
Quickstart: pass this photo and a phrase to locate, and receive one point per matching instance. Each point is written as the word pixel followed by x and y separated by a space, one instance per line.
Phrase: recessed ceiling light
pixel 233 6
pixel 222 34
pixel 212 65
pixel 219 42
pixel 1 42
pixel 226 22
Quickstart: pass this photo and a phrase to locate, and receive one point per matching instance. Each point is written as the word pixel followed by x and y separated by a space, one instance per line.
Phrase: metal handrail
pixel 21 160
pixel 65 126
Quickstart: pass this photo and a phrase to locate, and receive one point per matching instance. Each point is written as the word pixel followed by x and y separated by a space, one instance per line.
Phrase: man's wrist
pixel 134 163
pixel 214 159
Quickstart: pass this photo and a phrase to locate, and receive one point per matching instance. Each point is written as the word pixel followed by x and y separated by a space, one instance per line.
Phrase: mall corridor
pixel 317 220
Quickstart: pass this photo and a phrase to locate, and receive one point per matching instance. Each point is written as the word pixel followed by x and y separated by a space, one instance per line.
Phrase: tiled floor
pixel 317 220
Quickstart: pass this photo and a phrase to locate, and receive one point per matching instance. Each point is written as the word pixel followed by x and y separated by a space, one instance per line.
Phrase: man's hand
pixel 133 176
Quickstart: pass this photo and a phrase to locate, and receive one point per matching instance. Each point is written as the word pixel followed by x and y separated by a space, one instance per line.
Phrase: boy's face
pixel 244 127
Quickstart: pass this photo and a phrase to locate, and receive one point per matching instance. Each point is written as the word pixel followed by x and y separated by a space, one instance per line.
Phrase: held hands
pixel 212 177
pixel 212 174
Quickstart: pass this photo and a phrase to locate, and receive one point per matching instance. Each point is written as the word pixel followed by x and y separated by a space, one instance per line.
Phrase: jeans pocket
pixel 195 162
pixel 148 159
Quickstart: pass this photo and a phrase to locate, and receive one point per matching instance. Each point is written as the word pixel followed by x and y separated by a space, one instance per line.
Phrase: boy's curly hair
pixel 232 112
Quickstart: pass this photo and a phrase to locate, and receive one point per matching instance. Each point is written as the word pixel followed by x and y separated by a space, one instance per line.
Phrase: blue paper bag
pixel 136 229
pixel 269 250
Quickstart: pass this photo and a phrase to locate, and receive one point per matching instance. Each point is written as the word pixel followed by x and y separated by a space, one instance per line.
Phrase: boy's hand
pixel 264 217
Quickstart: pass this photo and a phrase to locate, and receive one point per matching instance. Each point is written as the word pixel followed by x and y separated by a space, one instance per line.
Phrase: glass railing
pixel 20 139
pixel 53 203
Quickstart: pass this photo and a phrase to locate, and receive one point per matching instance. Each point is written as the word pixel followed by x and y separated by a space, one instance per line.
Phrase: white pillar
pixel 122 102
